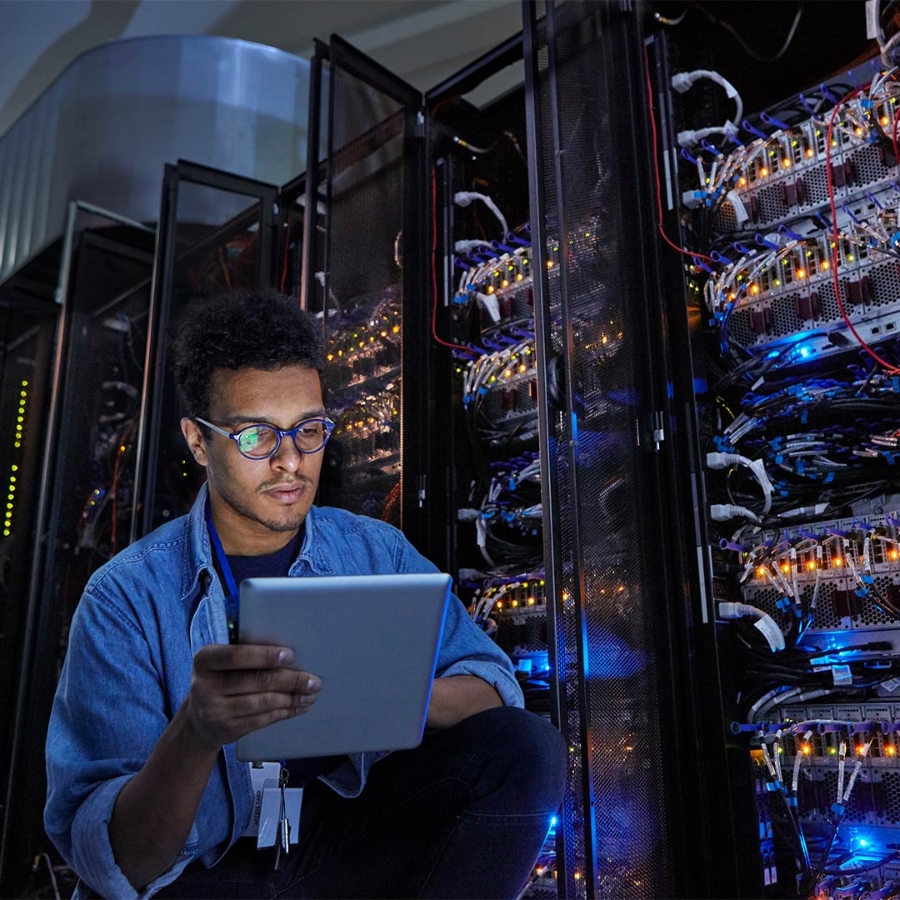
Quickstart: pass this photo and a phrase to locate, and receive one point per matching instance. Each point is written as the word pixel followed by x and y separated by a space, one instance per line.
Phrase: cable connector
pixel 724 460
pixel 467 515
pixel 722 512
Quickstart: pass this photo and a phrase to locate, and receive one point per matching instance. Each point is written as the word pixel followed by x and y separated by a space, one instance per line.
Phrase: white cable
pixel 682 81
pixel 464 198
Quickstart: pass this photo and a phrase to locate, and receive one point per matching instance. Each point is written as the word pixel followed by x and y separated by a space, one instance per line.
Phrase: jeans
pixel 463 815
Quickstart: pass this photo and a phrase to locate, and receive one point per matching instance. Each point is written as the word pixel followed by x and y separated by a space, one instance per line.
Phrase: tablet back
pixel 373 640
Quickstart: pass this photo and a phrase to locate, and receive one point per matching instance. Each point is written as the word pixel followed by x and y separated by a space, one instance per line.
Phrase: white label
pixel 871 19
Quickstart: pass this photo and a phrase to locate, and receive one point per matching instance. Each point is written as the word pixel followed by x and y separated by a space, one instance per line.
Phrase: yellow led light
pixel 549 263
pixel 850 257
pixel 5 532
pixel 761 572
pixel 14 468
pixel 504 283
pixel 825 265
pixel 809 153
pixel 837 561
pixel 806 749
pixel 396 329
pixel 811 566
pixel 801 274
pixel 785 567
pixel 519 277
pixel 763 172
pixel 894 555
pixel 890 750
pixel 24 384
pixel 786 163
pixel 741 182
pixel 754 288
pixel 857 131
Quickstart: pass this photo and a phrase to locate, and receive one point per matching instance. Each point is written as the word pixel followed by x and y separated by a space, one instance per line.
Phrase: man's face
pixel 258 505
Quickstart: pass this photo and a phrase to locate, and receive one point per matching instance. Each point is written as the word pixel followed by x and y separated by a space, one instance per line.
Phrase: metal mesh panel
pixel 607 635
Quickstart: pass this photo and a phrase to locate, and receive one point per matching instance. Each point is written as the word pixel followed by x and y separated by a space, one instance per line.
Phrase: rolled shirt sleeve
pixel 108 714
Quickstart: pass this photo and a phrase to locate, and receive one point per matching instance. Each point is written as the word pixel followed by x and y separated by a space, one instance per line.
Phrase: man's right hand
pixel 238 688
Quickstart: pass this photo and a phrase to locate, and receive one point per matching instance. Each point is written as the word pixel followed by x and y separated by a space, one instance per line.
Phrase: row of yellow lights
pixel 11 484
pixel 836 563
pixel 806 750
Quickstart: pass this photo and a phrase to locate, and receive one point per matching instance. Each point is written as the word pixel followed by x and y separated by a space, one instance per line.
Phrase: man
pixel 146 796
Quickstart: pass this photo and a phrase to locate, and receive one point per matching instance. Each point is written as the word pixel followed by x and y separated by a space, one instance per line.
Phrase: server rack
pixel 217 232
pixel 86 484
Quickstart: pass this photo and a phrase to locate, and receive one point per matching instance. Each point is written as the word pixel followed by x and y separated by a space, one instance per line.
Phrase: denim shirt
pixel 141 619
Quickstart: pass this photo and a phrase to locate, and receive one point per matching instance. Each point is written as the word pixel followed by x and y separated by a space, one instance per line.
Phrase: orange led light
pixel 761 572
pixel 811 566
pixel 785 567
pixel 806 749
pixel 763 172
pixel 825 265
pixel 809 153
pixel 754 288
pixel 891 750
pixel 786 163
pixel 837 561
pixel 801 273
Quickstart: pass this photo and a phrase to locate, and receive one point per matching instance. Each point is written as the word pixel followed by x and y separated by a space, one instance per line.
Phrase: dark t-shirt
pixel 277 565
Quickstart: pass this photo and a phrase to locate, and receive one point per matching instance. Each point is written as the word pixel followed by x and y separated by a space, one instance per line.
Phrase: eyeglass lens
pixel 260 441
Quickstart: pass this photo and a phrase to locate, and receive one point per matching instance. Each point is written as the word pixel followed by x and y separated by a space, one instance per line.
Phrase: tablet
pixel 372 639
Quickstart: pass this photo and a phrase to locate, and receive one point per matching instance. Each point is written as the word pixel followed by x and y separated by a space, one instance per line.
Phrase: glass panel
pixel 27 328
pixel 88 500
pixel 216 247
pixel 362 313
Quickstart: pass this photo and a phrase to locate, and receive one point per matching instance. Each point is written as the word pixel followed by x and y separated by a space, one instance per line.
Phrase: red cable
pixel 835 252
pixel 659 207
pixel 434 284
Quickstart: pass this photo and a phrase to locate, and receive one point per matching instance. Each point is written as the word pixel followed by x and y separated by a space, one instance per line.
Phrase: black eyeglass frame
pixel 327 423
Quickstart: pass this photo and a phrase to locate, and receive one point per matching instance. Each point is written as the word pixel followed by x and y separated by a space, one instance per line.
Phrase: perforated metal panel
pixel 615 825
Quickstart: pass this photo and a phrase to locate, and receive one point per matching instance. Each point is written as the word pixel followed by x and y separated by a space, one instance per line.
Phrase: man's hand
pixel 235 689
pixel 238 688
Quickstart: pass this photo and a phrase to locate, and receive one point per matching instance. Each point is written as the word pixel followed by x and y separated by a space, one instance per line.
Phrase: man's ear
pixel 195 440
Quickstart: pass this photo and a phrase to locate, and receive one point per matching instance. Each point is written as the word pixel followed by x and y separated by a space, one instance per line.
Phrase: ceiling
pixel 422 41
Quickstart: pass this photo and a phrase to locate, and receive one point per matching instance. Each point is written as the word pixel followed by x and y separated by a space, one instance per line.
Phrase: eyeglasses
pixel 262 441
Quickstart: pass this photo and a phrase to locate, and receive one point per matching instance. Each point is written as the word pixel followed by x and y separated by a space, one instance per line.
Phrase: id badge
pixel 266 815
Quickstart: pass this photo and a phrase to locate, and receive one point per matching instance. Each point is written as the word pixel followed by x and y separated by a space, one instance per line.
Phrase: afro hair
pixel 247 329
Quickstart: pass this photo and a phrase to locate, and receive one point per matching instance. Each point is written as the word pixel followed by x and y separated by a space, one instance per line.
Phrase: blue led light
pixel 553 822
pixel 805 352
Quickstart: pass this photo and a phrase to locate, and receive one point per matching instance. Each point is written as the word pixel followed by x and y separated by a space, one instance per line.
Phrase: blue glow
pixel 805 352
pixel 863 842
pixel 553 821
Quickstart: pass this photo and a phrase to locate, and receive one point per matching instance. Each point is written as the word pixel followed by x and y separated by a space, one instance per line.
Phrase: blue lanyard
pixel 231 594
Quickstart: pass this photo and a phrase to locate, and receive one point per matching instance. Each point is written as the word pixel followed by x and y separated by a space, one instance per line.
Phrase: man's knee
pixel 526 751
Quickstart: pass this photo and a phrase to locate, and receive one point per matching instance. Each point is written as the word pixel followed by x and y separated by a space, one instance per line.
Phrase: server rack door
pixel 363 204
pixel 26 355
pixel 86 487
pixel 216 234
pixel 604 428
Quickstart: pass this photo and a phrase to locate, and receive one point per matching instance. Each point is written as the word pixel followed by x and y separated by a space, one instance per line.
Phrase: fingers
pixel 227 657
pixel 237 688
